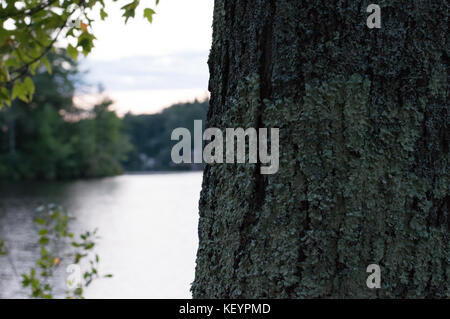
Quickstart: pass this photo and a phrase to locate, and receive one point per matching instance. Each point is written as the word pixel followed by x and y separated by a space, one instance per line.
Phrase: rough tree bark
pixel 363 117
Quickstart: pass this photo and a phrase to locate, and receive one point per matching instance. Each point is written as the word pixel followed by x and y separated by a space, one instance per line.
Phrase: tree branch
pixel 27 12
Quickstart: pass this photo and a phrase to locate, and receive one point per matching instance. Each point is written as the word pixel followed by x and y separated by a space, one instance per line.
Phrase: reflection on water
pixel 147 225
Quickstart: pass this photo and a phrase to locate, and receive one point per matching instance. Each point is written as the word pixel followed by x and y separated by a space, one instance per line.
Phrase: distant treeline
pixel 50 138
pixel 150 136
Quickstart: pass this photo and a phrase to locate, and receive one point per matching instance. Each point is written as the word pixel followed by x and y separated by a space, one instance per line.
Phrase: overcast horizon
pixel 146 67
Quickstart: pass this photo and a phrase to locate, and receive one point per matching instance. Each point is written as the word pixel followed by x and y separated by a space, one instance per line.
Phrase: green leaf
pixel 47 64
pixel 103 14
pixel 3 249
pixel 148 13
pixel 130 10
pixel 40 221
pixel 86 42
pixel 23 90
pixel 18 91
pixel 73 52
pixel 43 232
pixel 29 86
pixel 4 97
pixel 44 252
pixel 44 241
pixel 89 246
pixel 34 66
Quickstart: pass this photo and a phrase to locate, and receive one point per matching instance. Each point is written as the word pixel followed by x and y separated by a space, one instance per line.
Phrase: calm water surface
pixel 147 225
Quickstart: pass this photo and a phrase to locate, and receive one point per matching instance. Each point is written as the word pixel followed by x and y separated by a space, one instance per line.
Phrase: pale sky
pixel 145 67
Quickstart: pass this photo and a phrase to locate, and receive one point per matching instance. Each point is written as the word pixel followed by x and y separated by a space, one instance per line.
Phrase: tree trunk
pixel 363 179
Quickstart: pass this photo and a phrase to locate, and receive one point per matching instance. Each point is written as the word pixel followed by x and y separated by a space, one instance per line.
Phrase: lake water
pixel 147 227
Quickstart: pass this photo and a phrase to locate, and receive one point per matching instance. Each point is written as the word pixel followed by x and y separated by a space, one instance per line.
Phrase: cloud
pixel 144 67
pixel 177 71
pixel 178 26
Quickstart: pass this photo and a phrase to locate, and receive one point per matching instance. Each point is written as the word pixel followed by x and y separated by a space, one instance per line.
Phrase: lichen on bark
pixel 363 117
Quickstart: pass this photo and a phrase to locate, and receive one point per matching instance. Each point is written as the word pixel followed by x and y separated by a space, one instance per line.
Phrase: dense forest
pixel 150 134
pixel 50 138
